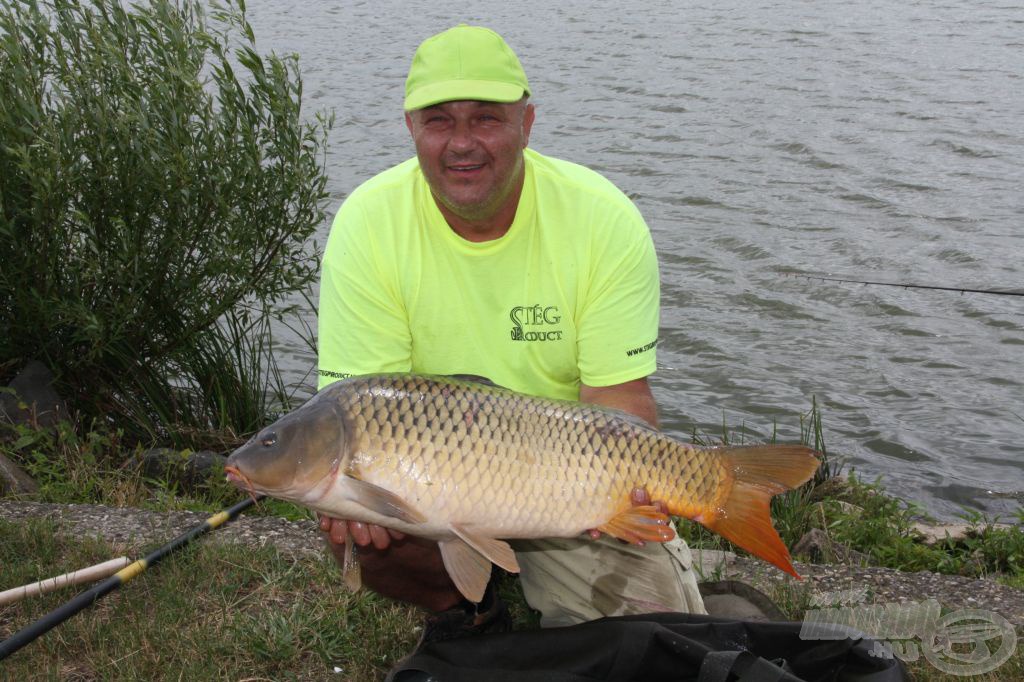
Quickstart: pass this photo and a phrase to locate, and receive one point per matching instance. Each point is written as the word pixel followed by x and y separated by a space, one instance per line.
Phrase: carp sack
pixel 470 464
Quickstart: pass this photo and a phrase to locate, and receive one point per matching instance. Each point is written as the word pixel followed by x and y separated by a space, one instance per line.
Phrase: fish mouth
pixel 235 476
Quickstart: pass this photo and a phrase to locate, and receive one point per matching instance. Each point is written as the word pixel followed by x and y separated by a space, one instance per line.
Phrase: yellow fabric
pixel 568 294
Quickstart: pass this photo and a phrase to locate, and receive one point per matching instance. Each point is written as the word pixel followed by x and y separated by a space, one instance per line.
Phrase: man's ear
pixel 528 116
pixel 408 122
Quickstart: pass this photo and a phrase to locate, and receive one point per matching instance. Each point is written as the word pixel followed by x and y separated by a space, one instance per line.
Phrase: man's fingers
pixel 363 534
pixel 379 536
pixel 337 532
pixel 360 533
pixel 639 497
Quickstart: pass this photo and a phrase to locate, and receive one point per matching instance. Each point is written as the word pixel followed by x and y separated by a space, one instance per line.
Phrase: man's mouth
pixel 465 167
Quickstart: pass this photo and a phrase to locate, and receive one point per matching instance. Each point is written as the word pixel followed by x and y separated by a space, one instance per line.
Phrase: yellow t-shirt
pixel 569 294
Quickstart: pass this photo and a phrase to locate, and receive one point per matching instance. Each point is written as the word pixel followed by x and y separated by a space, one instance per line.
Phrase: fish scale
pixel 470 464
pixel 595 449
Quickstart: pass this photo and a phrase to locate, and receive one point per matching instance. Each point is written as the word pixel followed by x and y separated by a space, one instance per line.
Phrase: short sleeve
pixel 618 325
pixel 362 326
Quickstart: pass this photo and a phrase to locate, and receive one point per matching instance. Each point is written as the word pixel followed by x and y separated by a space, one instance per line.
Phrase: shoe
pixel 467 619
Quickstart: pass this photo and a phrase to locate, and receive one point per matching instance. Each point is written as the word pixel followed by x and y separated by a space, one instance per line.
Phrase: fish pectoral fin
pixel 496 551
pixel 469 569
pixel 638 524
pixel 382 501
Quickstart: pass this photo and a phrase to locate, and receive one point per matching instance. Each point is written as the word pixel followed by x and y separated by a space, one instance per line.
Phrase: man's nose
pixel 462 139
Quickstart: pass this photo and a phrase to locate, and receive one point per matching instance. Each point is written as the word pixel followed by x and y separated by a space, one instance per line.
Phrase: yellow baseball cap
pixel 465 62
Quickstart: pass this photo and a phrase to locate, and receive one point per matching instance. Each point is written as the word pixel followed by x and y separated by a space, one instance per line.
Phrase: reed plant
pixel 159 185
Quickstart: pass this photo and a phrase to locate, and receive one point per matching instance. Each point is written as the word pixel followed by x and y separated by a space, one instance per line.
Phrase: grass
pixel 214 612
pixel 207 612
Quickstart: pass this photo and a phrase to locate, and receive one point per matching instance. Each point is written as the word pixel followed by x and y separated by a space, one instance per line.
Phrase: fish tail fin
pixel 743 513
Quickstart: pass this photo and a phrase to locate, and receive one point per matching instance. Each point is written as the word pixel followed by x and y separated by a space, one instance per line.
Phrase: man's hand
pixel 638 498
pixel 363 534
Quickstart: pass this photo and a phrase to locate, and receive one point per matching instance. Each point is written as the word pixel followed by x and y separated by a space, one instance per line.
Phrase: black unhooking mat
pixel 650 648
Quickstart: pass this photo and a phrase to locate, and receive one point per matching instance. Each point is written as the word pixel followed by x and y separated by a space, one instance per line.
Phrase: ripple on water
pixel 888 448
pixel 954 255
pixel 865 200
pixel 805 155
pixel 772 307
pixel 747 250
pixel 1002 381
pixel 964 150
pixel 975 497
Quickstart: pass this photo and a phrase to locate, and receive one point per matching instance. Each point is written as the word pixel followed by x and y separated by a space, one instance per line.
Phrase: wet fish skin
pixel 471 464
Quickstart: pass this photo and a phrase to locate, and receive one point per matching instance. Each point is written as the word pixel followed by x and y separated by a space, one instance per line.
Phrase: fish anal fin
pixel 350 569
pixel 639 524
pixel 743 514
pixel 496 551
pixel 469 569
pixel 381 501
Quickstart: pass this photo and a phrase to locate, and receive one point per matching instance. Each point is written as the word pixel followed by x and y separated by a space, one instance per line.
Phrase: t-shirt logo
pixel 538 321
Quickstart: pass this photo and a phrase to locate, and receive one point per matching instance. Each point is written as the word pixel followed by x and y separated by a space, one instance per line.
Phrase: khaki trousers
pixel 573 580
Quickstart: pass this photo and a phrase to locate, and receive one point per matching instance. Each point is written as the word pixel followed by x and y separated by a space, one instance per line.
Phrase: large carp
pixel 470 464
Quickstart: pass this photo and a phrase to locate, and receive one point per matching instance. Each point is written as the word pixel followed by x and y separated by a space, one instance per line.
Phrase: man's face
pixel 472 153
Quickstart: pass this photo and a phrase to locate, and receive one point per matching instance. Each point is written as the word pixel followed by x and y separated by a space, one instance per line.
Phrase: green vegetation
pixel 861 517
pixel 100 468
pixel 208 612
pixel 158 187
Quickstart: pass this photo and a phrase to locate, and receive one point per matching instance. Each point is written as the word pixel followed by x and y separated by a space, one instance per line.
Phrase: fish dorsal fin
pixel 628 417
pixel 496 551
pixel 644 523
pixel 469 569
pixel 381 501
pixel 473 379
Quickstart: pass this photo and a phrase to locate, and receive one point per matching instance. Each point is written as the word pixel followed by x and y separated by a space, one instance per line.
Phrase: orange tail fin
pixel 758 472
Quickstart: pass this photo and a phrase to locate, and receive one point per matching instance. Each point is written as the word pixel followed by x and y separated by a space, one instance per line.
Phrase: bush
pixel 157 189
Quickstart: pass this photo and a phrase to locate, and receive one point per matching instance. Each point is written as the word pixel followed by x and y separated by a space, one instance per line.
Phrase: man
pixel 483 257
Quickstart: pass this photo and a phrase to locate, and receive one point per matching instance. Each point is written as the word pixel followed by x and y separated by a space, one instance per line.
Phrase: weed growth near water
pixel 158 185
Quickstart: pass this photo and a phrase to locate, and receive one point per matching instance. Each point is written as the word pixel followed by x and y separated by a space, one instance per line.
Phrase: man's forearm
pixel 634 397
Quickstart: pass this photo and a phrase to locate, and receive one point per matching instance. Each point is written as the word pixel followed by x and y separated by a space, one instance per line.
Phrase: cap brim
pixel 450 91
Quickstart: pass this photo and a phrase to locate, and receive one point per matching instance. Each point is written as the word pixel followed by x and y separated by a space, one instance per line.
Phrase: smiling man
pixel 483 257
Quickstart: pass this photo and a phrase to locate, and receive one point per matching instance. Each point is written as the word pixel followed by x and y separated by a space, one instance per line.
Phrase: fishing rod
pixel 905 285
pixel 97 592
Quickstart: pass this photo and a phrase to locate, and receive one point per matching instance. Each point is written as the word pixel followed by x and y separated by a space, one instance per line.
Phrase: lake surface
pixel 872 140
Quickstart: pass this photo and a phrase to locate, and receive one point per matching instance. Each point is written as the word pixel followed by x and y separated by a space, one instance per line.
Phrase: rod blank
pixel 904 285
pixel 82 575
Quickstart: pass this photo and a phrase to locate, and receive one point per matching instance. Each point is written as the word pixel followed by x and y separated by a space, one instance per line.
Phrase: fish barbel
pixel 470 465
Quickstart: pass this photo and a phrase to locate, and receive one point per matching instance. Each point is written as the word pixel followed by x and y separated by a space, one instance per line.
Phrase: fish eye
pixel 268 440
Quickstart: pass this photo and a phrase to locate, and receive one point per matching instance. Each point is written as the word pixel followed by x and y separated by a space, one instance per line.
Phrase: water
pixel 872 140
